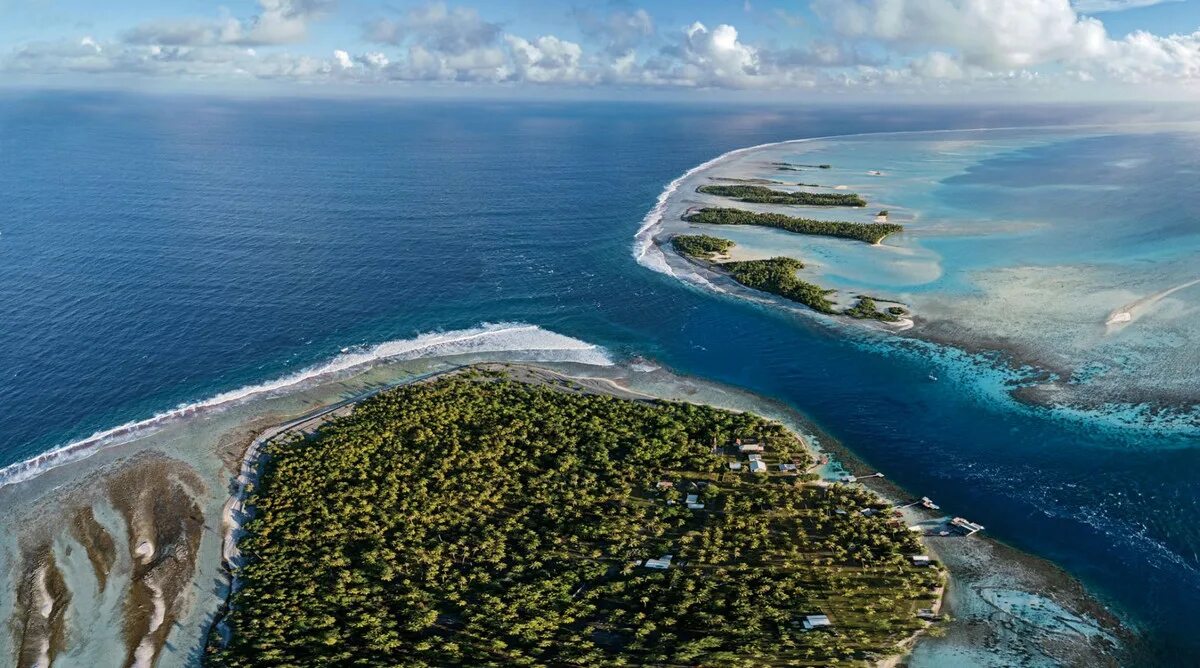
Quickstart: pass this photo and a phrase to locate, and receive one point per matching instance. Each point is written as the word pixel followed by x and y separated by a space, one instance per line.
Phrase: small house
pixel 757 466
pixel 787 467
pixel 755 458
pixel 665 484
pixel 750 447
pixel 735 466
pixel 921 560
pixel 662 563
pixel 696 506
pixel 692 498
pixel 816 622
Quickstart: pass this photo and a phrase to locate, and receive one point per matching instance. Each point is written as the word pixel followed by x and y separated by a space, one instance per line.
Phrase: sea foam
pixel 519 341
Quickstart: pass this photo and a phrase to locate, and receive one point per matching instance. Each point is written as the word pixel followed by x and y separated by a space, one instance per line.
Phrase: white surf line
pixel 644 237
pixel 1131 311
pixel 486 338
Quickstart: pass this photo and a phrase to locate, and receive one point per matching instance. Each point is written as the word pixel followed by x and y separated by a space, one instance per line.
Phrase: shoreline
pixel 1028 573
pixel 1037 379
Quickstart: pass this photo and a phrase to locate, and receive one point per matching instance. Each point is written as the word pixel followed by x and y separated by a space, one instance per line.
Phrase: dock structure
pixel 966 527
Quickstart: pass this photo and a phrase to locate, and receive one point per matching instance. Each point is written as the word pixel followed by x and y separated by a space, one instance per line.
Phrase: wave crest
pixel 524 342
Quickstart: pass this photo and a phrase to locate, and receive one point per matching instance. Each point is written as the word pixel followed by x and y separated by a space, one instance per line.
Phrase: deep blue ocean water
pixel 155 251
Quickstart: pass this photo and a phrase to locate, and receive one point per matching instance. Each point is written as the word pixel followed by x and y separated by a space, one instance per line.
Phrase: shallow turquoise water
pixel 159 251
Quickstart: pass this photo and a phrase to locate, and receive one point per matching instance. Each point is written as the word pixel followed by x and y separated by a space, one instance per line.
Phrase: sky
pixel 762 49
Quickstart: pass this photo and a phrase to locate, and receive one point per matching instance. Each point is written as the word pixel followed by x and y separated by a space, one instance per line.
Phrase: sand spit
pixel 156 497
pixel 38 622
pixel 1134 310
pixel 96 541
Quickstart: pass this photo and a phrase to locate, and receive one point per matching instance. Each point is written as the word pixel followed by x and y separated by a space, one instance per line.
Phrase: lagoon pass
pixel 1060 266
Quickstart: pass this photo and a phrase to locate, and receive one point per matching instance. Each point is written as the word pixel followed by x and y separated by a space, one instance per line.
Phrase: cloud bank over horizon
pixel 1038 48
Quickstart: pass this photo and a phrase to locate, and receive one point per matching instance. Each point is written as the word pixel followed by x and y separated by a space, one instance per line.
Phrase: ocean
pixel 159 251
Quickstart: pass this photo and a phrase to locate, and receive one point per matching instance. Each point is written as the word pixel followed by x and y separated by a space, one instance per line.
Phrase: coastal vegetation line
pixel 777 276
pixel 476 520
pixel 754 194
pixel 871 233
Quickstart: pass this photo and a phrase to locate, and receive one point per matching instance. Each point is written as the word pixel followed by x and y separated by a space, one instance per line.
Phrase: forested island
pixel 777 275
pixel 764 195
pixel 474 520
pixel 871 233
pixel 701 245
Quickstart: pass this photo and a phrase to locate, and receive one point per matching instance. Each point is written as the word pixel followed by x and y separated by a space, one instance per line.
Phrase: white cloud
pixel 278 22
pixel 909 45
pixel 716 58
pixel 937 65
pixel 620 32
pixel 436 27
pixel 984 38
pixel 546 59
pixel 988 33
pixel 1099 6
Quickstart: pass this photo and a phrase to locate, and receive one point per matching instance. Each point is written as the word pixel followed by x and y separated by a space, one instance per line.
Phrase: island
pixel 701 245
pixel 871 233
pixel 763 195
pixel 484 519
pixel 777 276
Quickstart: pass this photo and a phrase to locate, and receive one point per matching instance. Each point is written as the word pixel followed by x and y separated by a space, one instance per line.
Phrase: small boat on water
pixel 932 377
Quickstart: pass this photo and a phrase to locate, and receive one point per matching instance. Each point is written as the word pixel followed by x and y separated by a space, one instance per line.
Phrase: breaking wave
pixel 518 341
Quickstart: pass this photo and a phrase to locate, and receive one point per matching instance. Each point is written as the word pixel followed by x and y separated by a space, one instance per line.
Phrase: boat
pixel 932 378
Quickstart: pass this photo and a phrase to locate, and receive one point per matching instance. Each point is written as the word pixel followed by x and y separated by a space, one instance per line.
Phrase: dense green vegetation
pixel 479 521
pixel 701 245
pixel 868 232
pixel 778 275
pixel 765 195
pixel 866 309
